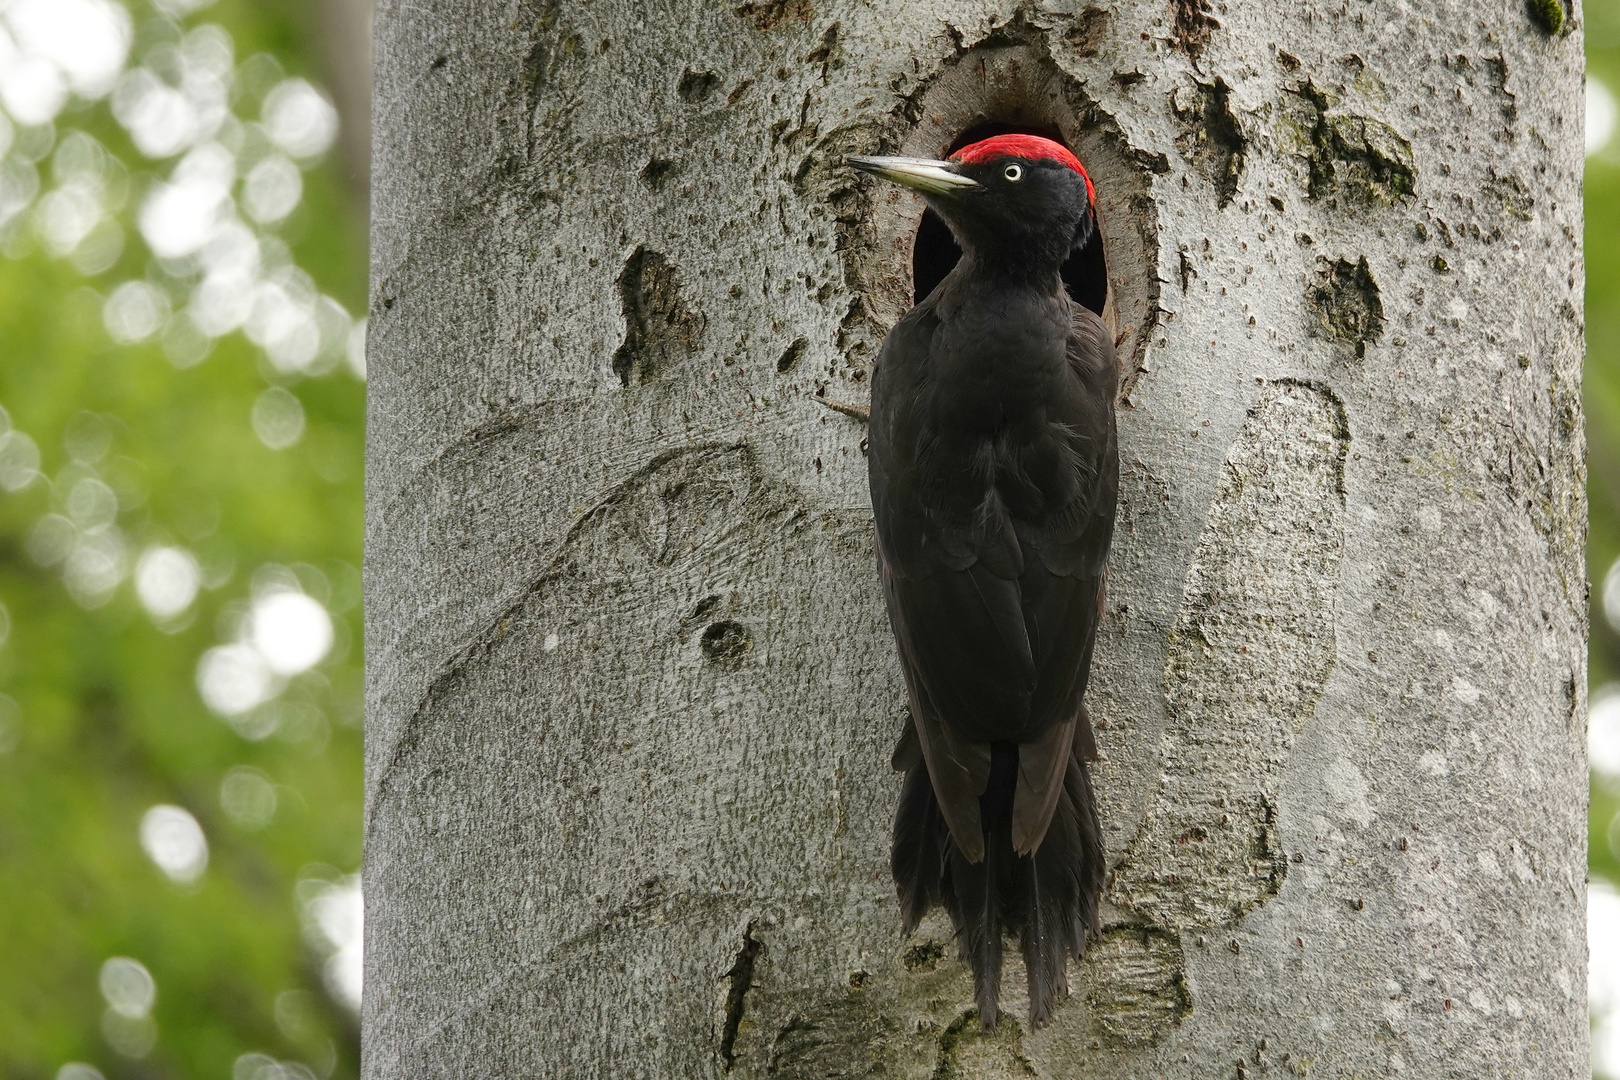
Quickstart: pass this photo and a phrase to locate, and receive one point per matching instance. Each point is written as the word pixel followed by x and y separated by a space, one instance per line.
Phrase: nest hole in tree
pixel 934 251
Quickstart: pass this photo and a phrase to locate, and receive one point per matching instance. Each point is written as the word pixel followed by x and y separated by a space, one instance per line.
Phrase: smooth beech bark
pixel 632 693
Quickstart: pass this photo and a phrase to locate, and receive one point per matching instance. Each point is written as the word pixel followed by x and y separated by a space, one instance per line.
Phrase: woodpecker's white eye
pixel 1013 173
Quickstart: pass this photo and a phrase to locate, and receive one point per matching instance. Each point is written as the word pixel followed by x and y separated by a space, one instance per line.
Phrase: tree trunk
pixel 632 689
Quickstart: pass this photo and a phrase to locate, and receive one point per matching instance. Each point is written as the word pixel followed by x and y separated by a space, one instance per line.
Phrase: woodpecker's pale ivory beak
pixel 932 177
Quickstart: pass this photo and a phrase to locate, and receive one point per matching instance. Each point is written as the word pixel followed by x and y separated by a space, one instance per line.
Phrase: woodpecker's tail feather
pixel 1057 891
pixel 920 842
pixel 1049 899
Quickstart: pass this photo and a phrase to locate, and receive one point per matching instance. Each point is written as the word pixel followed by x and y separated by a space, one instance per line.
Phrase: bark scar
pixel 741 975
pixel 414 725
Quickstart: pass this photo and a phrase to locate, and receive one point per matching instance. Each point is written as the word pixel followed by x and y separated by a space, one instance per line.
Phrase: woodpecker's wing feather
pixel 1064 588
pixel 1042 765
pixel 958 770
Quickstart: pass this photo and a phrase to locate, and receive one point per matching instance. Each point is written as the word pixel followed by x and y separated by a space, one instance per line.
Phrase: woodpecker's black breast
pixel 994 475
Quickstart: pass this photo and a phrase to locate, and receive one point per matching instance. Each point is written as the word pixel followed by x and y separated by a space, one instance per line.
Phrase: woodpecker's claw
pixel 933 177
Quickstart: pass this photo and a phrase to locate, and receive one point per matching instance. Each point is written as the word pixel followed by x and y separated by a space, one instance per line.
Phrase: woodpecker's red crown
pixel 1027 147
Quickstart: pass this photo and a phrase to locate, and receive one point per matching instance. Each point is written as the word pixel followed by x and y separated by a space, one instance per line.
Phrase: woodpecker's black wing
pixel 958 769
pixel 993 571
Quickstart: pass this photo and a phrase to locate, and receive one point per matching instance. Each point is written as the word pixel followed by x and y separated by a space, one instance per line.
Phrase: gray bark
pixel 632 691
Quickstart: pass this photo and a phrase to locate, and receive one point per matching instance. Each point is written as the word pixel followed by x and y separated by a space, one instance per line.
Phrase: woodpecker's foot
pixel 863 413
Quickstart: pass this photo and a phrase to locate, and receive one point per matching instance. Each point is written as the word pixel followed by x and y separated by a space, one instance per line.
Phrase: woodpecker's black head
pixel 1010 199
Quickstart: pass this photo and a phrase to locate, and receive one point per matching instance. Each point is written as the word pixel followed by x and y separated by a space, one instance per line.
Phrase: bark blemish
pixel 1085 35
pixel 924 956
pixel 769 14
pixel 828 53
pixel 699 614
pixel 1136 984
pixel 968 1052
pixel 1193 23
pixel 659 329
pixel 1496 66
pixel 1356 156
pixel 656 171
pixel 726 642
pixel 697 87
pixel 1214 138
pixel 741 975
pixel 790 356
pixel 1346 301
pixel 1548 15
pixel 1512 193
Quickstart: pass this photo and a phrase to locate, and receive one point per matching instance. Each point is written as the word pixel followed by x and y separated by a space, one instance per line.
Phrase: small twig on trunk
pixel 863 413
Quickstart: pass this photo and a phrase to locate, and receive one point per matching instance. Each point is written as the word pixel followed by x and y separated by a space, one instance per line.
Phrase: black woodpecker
pixel 994 473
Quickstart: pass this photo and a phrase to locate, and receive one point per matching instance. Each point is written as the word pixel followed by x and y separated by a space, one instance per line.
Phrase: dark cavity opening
pixel 934 254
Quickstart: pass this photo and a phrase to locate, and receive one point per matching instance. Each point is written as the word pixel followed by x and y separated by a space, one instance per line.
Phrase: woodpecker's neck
pixel 1041 276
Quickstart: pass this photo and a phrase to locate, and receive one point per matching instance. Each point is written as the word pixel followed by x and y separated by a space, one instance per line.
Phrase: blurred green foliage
pixel 1602 402
pixel 107 719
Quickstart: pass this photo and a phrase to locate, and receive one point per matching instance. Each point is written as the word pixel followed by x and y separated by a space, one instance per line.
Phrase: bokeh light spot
pixel 19 461
pixel 248 798
pixel 135 311
pixel 161 120
pixel 175 843
pixel 278 418
pixel 1603 975
pixel 98 252
pixel 284 322
pixel 180 217
pixel 357 349
pixel 179 9
pixel 78 1070
pixel 66 216
pixel 184 342
pixel 130 992
pixel 298 1015
pixel 31 87
pixel 95 566
pixel 131 1036
pixel 234 679
pixel 91 503
pixel 86 40
pixel 19 183
pixel 299 120
pixel 334 922
pixel 87 437
pixel 51 539
pixel 166 580
pixel 265 1067
pixel 291 630
pixel 272 189
pixel 1600 115
pixel 127 986
pixel 1603 732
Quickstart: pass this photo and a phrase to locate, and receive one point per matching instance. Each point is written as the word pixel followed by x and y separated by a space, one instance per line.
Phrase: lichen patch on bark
pixel 1353 157
pixel 1346 302
pixel 1214 139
